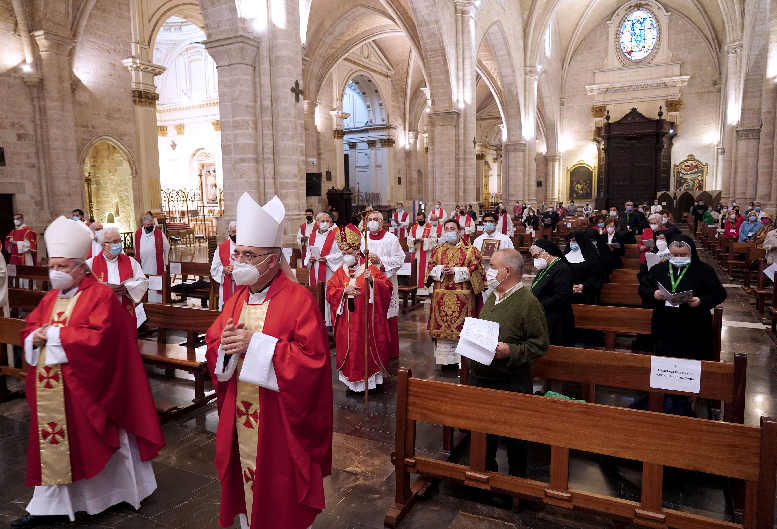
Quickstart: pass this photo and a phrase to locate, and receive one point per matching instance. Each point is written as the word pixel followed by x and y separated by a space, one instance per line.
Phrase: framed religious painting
pixel 581 181
pixel 690 174
pixel 490 247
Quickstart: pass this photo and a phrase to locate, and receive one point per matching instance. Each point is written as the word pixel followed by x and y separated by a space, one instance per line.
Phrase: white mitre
pixel 260 226
pixel 66 238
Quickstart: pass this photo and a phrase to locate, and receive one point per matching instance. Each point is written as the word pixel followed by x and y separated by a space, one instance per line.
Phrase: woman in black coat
pixel 684 331
pixel 587 268
pixel 553 289
pixel 531 220
pixel 604 251
pixel 611 236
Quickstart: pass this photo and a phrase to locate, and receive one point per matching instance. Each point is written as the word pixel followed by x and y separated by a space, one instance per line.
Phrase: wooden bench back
pixel 24 299
pixel 624 276
pixel 200 270
pixel 303 275
pixel 319 292
pixel 625 295
pixel 731 450
pixel 32 273
pixel 631 264
pixel 10 332
pixel 168 317
pixel 594 367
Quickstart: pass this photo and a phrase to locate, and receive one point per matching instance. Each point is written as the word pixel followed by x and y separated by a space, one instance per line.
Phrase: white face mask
pixel 247 274
pixel 610 229
pixel 61 280
pixel 349 260
pixel 323 226
pixel 654 226
pixel 661 245
pixel 373 226
pixel 433 222
pixel 491 278
pixel 17 222
pixel 540 263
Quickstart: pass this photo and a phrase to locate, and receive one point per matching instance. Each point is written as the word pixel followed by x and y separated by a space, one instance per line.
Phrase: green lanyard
pixel 542 273
pixel 671 276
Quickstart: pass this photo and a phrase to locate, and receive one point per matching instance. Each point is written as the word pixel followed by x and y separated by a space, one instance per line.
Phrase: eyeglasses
pixel 248 256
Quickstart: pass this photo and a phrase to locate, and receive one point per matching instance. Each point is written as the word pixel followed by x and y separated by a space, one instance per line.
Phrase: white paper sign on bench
pixel 675 374
pixel 175 268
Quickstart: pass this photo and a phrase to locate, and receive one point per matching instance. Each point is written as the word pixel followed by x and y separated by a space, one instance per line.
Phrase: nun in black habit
pixel 684 331
pixel 587 268
pixel 605 253
pixel 553 289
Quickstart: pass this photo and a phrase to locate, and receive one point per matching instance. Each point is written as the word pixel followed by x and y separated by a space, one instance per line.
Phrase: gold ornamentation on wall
pixel 598 111
pixel 387 142
pixel 216 125
pixel 161 131
pixel 480 156
pixel 674 105
pixel 179 129
pixel 339 134
pixel 145 98
pixel 372 143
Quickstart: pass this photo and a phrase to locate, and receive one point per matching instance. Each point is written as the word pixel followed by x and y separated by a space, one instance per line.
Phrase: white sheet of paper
pixel 479 228
pixel 175 268
pixel 769 272
pixel 478 340
pixel 676 299
pixel 140 314
pixel 11 270
pixel 315 251
pixel 569 224
pixel 652 259
pixel 405 270
pixel 155 282
pixel 675 374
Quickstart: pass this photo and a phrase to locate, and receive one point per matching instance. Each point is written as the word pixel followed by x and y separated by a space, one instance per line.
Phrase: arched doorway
pixel 108 185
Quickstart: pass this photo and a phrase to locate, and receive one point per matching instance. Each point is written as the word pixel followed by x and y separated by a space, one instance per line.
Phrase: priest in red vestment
pixel 456 270
pixel 93 425
pixel 346 295
pixel 269 356
pixel 22 243
pixel 221 267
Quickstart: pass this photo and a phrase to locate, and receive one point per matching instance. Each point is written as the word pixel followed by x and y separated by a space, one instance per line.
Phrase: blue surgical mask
pixel 489 226
pixel 601 224
pixel 451 237
pixel 680 261
pixel 574 247
pixel 758 208
pixel 76 217
pixel 753 219
pixel 629 208
pixel 116 248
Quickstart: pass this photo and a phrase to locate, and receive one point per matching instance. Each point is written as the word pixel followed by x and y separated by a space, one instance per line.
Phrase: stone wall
pixel 111 186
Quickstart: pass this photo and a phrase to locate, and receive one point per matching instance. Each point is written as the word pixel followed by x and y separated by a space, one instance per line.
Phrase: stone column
pixel 339 133
pixel 145 97
pixel 35 85
pixel 481 185
pixel 731 118
pixel 513 164
pixel 64 176
pixel 442 160
pixel 373 152
pixel 466 50
pixel 235 58
pixel 388 185
pixel 353 178
pixel 412 182
pixel 311 138
pixel 529 186
pixel 767 192
pixel 746 171
pixel 553 160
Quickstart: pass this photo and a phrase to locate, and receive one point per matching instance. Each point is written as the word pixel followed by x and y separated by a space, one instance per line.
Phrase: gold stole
pixel 50 399
pixel 247 409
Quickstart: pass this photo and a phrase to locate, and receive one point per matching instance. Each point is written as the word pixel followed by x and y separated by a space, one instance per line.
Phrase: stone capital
pixel 445 118
pixel 748 134
pixel 735 48
pixel 339 134
pixel 161 131
pixel 52 43
pixel 309 107
pixel 514 146
pixel 531 72
pixel 555 158
pixel 145 98
pixel 352 145
pixel 387 142
pixel 372 143
pixel 465 7
pixel 233 50
pixel 412 136
pixel 216 125
pixel 143 73
pixel 339 114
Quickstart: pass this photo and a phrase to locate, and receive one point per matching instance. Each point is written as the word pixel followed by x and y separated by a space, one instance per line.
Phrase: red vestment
pixel 423 232
pixel 100 271
pixel 105 384
pixel 294 451
pixel 400 231
pixel 349 326
pixel 227 286
pixel 318 269
pixel 158 246
pixel 24 233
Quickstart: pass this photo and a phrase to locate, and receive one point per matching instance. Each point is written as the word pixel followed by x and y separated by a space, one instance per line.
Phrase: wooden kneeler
pixel 736 451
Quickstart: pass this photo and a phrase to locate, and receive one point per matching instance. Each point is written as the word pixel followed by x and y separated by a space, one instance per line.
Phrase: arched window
pixel 547 41
pixel 353 104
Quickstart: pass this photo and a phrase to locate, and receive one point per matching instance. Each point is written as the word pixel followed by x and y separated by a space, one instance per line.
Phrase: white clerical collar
pixel 491 235
pixel 109 260
pixel 501 298
pixel 20 227
pixel 67 294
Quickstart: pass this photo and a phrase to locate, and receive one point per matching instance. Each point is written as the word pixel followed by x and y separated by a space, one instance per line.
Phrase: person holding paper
pixel 683 331
pixel 647 235
pixel 323 256
pixel 530 220
pixel 422 239
pixel 151 247
pixel 268 354
pixel 732 224
pixel 523 338
pixel 658 253
pixel 93 425
pixel 456 270
pixel 345 293
pixel 553 289
pixel 222 265
pixel 119 271
pixel 387 254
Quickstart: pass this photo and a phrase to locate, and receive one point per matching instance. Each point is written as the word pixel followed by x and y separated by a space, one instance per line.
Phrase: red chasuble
pixel 294 451
pixel 24 233
pixel 105 385
pixel 158 246
pixel 318 270
pixel 100 271
pixel 349 326
pixel 227 286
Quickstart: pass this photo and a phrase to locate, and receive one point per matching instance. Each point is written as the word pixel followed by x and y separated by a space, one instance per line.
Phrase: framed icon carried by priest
pixel 490 247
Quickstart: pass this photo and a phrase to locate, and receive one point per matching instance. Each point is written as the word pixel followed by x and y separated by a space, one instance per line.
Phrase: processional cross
pixel 297 91
pixel 363 215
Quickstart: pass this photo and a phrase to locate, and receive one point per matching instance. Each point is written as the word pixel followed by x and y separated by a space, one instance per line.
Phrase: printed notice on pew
pixel 675 374
pixel 478 340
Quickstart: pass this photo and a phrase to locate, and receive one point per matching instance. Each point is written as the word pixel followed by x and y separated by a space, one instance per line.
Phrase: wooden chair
pixel 303 275
pixel 319 292
pixel 409 294
pixel 752 256
pixel 10 334
pixel 296 258
pixel 762 293
pixel 165 292
pixel 725 249
pixel 187 257
pixel 736 256
pixel 213 246
pixel 731 450
pixel 202 270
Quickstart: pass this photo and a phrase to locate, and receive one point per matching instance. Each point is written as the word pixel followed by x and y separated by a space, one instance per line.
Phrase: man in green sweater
pixel 523 338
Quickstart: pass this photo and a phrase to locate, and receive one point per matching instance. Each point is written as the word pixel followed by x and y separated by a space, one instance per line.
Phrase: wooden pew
pixel 752 256
pixel 24 299
pixel 630 264
pixel 630 251
pixel 736 256
pixel 172 356
pixel 624 276
pixel 31 273
pixel 762 293
pixel 302 275
pixel 593 367
pixel 319 292
pixel 731 450
pixel 624 295
pixel 200 270
pixel 725 249
pixel 10 334
pixel 409 294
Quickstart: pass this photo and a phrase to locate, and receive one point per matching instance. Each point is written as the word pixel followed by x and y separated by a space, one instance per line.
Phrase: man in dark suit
pixel 550 219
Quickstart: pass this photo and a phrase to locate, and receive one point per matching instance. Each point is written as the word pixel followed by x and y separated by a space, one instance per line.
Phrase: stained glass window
pixel 638 35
